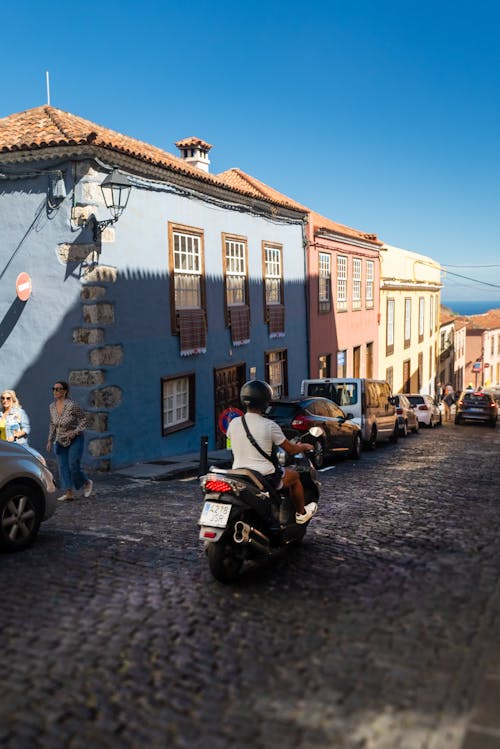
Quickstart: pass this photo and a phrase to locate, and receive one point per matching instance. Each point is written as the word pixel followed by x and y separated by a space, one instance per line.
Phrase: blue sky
pixel 381 115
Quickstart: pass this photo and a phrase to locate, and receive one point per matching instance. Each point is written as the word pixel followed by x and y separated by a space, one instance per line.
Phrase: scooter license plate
pixel 215 514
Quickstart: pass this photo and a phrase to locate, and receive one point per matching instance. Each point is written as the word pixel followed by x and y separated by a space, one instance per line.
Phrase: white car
pixel 426 410
pixel 27 495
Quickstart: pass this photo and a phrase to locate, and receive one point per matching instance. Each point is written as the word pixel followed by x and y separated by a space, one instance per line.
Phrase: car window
pixel 319 408
pixel 334 411
pixel 415 400
pixel 321 389
pixel 281 411
pixel 346 394
pixel 476 397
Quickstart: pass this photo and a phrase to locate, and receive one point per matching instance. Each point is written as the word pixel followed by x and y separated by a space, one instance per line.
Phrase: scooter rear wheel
pixel 224 562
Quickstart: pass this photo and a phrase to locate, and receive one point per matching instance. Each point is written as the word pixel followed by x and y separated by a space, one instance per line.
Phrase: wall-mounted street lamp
pixel 116 192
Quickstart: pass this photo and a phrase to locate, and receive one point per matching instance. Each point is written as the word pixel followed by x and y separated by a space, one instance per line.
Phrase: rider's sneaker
pixel 310 510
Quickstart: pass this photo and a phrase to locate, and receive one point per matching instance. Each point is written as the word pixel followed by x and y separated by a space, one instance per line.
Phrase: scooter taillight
pixel 218 486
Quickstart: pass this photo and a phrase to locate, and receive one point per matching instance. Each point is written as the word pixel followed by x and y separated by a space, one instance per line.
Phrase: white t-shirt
pixel 265 432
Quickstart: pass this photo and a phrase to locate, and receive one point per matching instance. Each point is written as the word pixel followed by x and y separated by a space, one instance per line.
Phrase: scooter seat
pixel 245 473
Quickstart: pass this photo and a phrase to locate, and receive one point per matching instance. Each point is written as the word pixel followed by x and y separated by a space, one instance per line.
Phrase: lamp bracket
pixel 99 226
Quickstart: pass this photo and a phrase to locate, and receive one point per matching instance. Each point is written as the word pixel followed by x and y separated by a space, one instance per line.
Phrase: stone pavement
pixel 379 632
pixel 481 729
pixel 175 466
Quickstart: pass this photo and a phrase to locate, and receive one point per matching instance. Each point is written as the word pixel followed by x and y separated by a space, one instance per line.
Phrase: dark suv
pixel 297 415
pixel 476 405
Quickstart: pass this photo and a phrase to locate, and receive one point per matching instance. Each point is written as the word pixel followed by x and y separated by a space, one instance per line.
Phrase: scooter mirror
pixel 316 432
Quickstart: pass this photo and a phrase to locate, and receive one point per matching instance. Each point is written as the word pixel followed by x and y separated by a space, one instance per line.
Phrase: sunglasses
pixel 6 398
pixel 57 388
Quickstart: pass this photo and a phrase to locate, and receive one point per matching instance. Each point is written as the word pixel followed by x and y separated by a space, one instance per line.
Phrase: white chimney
pixel 195 152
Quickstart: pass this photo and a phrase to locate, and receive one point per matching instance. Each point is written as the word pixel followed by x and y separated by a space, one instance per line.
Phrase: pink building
pixel 344 284
pixel 343 270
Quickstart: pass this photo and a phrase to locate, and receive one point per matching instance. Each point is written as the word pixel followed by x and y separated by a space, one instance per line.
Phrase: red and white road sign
pixel 23 287
pixel 226 416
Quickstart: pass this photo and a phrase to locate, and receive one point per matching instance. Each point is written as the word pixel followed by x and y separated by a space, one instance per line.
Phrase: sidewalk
pixel 176 466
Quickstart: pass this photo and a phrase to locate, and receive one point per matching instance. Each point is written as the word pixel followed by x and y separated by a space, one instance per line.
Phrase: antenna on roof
pixel 47 80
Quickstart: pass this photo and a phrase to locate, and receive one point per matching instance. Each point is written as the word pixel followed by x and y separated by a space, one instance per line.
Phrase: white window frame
pixel 273 274
pixel 407 320
pixel 236 271
pixel 421 317
pixel 276 371
pixel 356 283
pixel 391 304
pixel 341 282
pixel 187 262
pixel 325 281
pixel 369 284
pixel 177 402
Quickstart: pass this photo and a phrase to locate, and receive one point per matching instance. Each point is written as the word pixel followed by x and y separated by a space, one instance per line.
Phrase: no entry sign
pixel 226 416
pixel 23 287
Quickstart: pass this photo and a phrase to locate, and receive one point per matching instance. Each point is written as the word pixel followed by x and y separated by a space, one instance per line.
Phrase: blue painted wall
pixel 36 337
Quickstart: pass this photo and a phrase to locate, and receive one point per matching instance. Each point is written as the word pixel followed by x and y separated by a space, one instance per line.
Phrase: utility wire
pixel 476 280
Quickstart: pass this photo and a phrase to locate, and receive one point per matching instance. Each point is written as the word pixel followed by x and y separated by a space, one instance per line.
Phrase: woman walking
pixel 13 419
pixel 66 427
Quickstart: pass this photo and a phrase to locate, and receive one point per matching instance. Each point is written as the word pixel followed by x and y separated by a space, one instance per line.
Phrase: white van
pixel 366 402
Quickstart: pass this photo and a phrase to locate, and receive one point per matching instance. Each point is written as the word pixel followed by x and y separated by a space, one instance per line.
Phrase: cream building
pixel 410 286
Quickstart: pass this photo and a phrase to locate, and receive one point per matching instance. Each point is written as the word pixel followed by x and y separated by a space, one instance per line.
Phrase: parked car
pixel 298 415
pixel 369 402
pixel 407 417
pixel 426 410
pixel 476 405
pixel 27 495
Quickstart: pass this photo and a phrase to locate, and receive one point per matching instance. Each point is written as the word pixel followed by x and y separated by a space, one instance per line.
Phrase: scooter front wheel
pixel 224 561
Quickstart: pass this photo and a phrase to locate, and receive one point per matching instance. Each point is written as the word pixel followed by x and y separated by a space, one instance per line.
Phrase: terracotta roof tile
pixel 238 178
pixel 47 127
pixel 487 320
pixel 193 142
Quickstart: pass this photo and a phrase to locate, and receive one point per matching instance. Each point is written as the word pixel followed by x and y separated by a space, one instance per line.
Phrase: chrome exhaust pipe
pixel 245 534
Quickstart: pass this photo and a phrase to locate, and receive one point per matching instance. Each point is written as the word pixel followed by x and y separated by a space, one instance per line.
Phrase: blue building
pixel 155 318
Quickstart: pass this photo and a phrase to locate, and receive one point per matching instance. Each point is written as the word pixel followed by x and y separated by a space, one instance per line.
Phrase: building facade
pixel 158 319
pixel 343 277
pixel 409 320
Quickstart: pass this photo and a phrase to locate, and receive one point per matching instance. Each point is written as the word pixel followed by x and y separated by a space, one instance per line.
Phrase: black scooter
pixel 246 521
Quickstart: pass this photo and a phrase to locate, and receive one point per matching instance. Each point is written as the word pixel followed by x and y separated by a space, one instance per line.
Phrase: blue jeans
pixel 68 462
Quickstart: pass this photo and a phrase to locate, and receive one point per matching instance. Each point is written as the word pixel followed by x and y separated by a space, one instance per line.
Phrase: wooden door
pixel 228 382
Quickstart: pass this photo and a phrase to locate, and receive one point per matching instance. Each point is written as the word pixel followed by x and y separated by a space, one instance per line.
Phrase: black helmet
pixel 256 394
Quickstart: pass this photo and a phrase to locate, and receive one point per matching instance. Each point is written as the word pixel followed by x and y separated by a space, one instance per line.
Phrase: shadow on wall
pixel 137 322
pixel 10 319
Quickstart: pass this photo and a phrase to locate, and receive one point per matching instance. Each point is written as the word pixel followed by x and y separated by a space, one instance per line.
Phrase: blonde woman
pixel 66 426
pixel 13 418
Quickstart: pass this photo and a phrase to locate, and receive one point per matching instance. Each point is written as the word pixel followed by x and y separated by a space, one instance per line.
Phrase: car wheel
pixel 318 456
pixel 493 423
pixel 372 442
pixel 416 427
pixel 458 420
pixel 395 435
pixel 20 516
pixel 403 432
pixel 431 422
pixel 356 446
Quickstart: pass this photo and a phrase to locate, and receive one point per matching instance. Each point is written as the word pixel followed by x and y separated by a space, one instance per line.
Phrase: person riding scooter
pixel 253 438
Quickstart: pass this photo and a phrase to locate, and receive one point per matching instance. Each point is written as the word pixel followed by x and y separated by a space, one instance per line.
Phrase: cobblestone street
pixel 373 634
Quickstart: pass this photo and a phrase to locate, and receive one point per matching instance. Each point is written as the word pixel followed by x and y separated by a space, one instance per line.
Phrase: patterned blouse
pixel 65 427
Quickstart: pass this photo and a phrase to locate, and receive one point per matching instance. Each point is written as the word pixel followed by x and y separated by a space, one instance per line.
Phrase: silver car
pixel 27 495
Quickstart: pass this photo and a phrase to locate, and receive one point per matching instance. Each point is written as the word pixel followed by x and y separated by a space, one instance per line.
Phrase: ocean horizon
pixel 467 307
